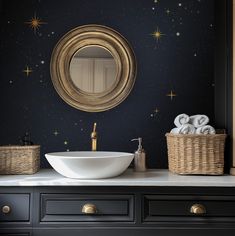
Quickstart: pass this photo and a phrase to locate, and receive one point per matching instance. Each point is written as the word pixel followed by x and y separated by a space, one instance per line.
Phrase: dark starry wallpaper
pixel 173 41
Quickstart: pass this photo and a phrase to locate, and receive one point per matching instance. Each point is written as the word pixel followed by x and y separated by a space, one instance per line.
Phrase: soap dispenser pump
pixel 139 157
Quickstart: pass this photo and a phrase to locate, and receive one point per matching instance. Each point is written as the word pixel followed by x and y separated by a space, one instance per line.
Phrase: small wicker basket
pixel 196 154
pixel 19 160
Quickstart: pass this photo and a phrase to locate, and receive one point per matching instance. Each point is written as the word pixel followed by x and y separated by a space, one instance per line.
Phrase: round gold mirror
pixel 93 68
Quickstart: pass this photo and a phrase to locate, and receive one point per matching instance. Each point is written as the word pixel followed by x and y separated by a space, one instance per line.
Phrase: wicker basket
pixel 196 154
pixel 19 160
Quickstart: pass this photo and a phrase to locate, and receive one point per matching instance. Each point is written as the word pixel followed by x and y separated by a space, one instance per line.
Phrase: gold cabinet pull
pixel 89 208
pixel 197 209
pixel 6 209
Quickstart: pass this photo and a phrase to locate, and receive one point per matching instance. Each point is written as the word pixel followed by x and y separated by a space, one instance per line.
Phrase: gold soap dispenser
pixel 139 157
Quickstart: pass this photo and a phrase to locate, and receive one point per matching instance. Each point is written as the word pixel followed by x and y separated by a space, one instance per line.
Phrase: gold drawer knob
pixel 6 209
pixel 89 208
pixel 197 209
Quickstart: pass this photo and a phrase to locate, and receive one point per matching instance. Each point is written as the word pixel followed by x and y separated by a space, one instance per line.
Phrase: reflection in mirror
pixel 93 69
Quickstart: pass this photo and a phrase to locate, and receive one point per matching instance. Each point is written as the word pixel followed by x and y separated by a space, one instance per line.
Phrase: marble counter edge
pixel 151 178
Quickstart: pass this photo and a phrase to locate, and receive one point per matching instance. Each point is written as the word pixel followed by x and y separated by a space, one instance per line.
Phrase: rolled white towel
pixel 184 129
pixel 198 120
pixel 206 129
pixel 181 119
pixel 175 131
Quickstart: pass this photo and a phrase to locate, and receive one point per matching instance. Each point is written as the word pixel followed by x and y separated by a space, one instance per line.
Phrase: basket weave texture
pixel 17 160
pixel 196 154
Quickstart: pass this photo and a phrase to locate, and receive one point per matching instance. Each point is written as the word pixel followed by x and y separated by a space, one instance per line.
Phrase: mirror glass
pixel 93 69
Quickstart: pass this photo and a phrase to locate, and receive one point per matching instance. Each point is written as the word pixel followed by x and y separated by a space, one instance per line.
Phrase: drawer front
pixel 69 207
pixel 14 207
pixel 158 208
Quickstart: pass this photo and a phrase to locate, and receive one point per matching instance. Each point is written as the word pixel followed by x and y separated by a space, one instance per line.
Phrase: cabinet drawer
pixel 14 207
pixel 69 207
pixel 157 208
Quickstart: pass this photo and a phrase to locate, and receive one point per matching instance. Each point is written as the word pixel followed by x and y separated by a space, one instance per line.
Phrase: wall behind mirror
pixel 174 45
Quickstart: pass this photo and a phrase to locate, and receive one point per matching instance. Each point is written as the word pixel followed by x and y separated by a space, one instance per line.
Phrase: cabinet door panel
pixel 18 205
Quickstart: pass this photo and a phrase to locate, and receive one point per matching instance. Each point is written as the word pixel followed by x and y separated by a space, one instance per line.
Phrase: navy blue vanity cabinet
pixel 125 211
pixel 138 211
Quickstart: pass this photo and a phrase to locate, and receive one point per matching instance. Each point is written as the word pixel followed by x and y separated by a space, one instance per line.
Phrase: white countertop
pixel 49 177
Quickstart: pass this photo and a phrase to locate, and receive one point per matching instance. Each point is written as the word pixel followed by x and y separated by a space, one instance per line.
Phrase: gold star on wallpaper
pixel 35 23
pixel 156 110
pixel 168 11
pixel 27 71
pixel 171 95
pixel 56 133
pixel 157 34
pixel 65 142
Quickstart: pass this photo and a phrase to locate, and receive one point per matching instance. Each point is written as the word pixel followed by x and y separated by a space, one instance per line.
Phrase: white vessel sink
pixel 90 165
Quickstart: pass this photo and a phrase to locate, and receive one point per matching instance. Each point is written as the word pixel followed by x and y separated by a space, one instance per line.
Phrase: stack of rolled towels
pixel 197 124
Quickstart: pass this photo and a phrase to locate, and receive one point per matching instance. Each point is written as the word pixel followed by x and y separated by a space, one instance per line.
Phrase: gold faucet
pixel 94 138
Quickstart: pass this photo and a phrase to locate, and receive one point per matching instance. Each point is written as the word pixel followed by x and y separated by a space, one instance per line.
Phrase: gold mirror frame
pixel 93 35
